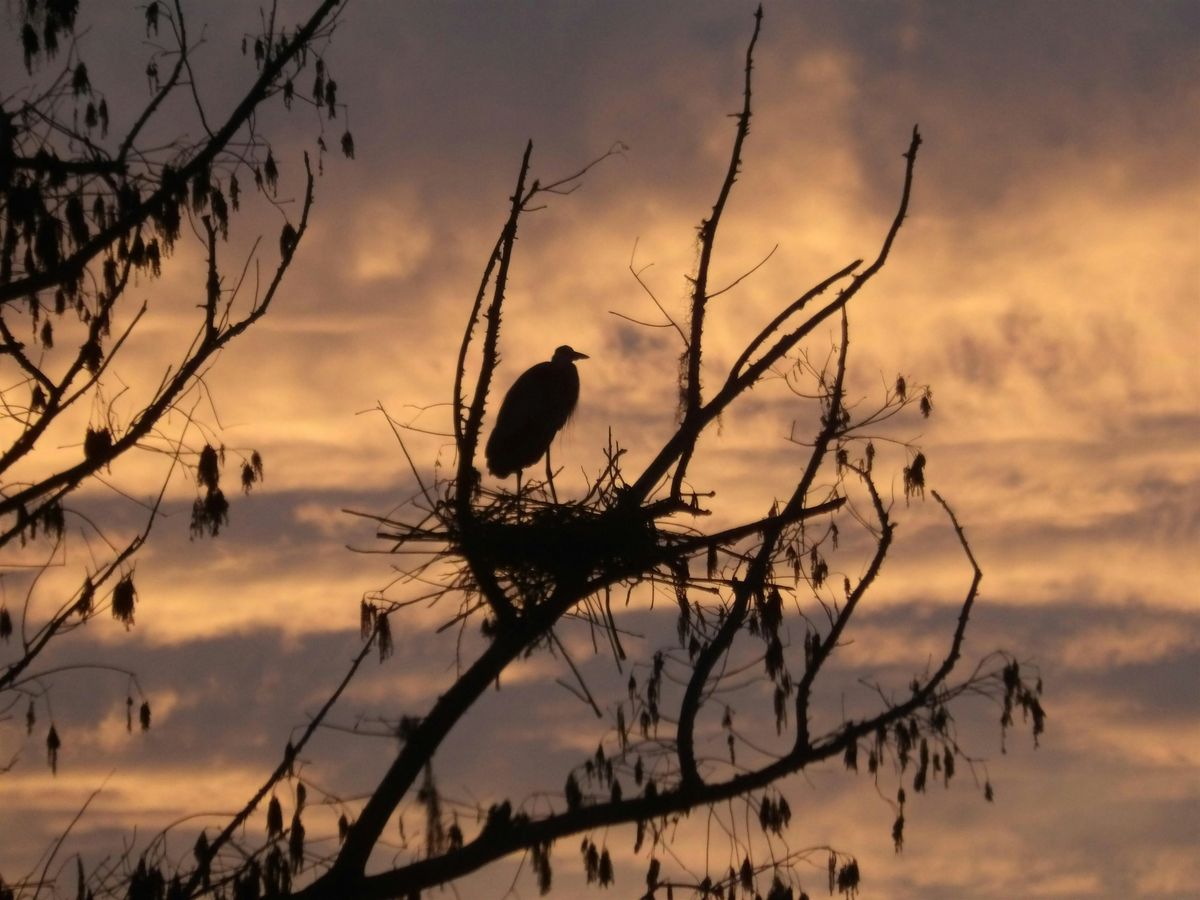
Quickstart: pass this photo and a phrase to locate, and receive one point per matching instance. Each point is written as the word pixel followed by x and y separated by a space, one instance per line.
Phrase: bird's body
pixel 535 408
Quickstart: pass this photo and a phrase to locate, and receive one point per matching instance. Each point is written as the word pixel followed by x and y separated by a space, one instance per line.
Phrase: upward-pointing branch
pixel 708 236
pixel 745 375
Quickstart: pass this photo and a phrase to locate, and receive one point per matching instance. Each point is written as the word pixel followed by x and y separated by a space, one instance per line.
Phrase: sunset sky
pixel 1046 285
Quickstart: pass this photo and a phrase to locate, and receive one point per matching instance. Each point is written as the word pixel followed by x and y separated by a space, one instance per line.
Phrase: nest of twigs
pixel 529 540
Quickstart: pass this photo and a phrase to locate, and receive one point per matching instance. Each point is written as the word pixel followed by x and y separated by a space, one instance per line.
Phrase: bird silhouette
pixel 535 408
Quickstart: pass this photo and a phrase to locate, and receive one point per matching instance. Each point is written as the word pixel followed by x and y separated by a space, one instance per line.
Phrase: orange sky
pixel 1046 285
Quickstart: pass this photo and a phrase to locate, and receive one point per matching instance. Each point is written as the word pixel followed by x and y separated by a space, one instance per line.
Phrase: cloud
pixel 1044 285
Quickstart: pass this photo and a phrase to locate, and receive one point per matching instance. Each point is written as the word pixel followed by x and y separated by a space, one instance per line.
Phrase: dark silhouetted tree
pixel 722 712
pixel 100 185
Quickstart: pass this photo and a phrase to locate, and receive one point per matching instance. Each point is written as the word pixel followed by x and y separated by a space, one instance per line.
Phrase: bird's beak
pixel 578 355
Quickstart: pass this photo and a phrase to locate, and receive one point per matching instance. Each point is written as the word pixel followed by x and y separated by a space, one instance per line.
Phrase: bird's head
pixel 565 354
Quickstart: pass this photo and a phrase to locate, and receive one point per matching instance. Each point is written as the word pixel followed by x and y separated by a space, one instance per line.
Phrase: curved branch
pixel 202 159
pixel 756 578
pixel 685 437
pixel 210 344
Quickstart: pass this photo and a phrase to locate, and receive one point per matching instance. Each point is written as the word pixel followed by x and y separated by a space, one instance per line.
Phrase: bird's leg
pixel 550 478
pixel 519 495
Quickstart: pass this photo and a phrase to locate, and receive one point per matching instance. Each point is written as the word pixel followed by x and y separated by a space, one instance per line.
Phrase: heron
pixel 534 410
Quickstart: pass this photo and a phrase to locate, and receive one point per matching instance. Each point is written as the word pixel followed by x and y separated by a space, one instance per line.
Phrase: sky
pixel 1046 285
